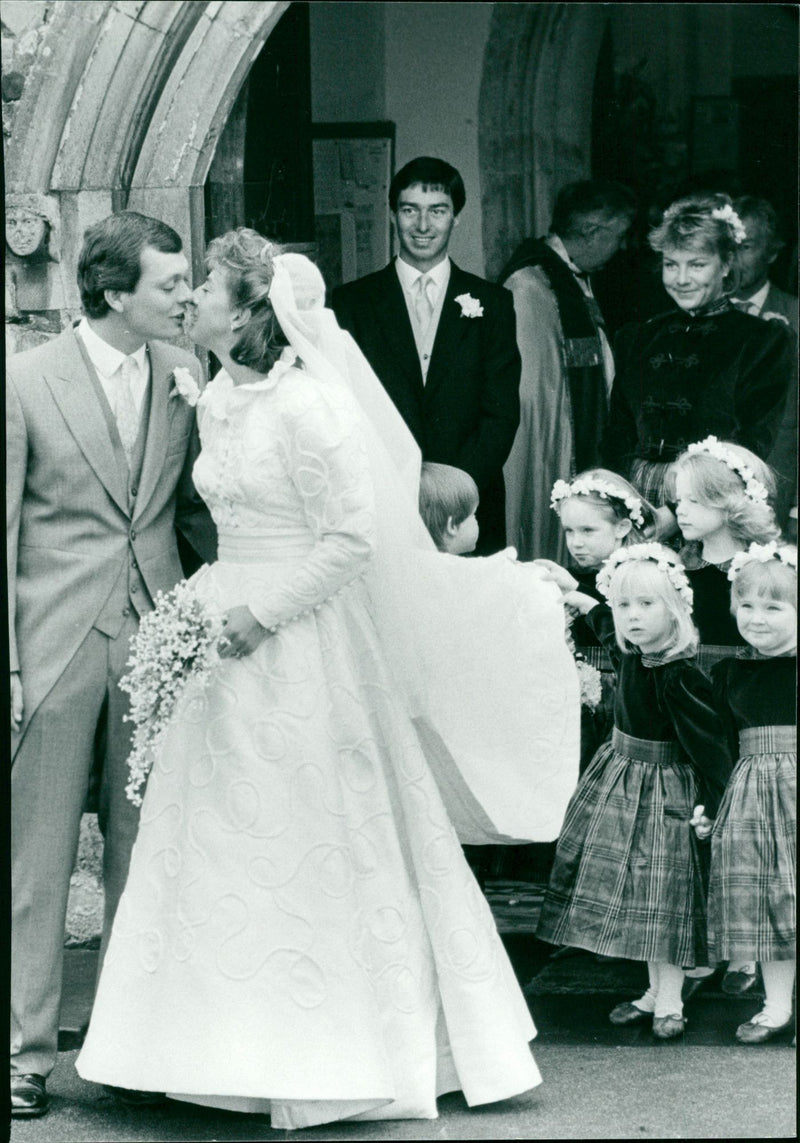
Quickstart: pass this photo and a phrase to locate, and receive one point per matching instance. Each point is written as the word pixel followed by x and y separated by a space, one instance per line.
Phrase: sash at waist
pixel 768 740
pixel 272 546
pixel 645 749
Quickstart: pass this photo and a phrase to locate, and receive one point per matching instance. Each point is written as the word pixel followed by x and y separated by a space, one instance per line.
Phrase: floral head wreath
pixel 585 485
pixel 662 557
pixel 753 488
pixel 724 213
pixel 763 554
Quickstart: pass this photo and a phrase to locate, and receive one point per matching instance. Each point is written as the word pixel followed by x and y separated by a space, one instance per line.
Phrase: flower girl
pixel 751 907
pixel 599 512
pixel 626 881
pixel 723 494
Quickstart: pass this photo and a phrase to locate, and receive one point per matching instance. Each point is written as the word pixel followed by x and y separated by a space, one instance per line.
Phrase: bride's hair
pixel 246 260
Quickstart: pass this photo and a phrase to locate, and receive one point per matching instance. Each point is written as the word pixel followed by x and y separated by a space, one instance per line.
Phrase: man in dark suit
pixel 442 341
pixel 759 296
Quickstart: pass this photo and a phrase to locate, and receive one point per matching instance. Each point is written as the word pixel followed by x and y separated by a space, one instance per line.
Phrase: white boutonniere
pixel 772 316
pixel 470 307
pixel 185 385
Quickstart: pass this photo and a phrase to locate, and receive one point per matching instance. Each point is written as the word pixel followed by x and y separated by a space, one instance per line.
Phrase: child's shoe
pixel 740 979
pixel 628 1013
pixel 668 1027
pixel 758 1031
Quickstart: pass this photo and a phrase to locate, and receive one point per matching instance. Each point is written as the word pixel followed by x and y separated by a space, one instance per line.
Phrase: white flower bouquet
pixel 591 685
pixel 175 644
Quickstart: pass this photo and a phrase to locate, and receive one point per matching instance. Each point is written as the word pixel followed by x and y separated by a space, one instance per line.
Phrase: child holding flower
pixel 599 512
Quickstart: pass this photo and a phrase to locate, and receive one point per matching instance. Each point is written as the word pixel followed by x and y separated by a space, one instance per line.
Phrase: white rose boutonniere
pixel 470 307
pixel 185 385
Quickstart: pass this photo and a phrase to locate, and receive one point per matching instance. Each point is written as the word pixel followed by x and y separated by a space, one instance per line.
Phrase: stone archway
pixel 535 116
pixel 122 104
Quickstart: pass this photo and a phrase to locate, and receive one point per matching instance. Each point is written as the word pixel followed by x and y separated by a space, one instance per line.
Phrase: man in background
pixel 442 341
pixel 567 364
pixel 759 296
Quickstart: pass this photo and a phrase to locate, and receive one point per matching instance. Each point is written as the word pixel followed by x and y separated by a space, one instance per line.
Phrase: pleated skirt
pixel 752 889
pixel 627 878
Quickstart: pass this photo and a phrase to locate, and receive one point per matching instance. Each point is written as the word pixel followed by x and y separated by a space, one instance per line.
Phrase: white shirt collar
pixel 558 247
pixel 106 358
pixel 408 275
pixel 758 298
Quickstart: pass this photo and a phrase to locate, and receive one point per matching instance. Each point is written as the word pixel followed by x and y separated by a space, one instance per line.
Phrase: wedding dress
pixel 300 933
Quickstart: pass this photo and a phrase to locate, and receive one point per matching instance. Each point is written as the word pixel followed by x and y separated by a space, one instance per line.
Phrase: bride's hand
pixel 559 576
pixel 242 634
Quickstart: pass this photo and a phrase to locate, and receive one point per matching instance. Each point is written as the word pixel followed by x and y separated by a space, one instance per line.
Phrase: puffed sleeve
pixel 329 468
pixel 600 621
pixel 719 697
pixel 687 700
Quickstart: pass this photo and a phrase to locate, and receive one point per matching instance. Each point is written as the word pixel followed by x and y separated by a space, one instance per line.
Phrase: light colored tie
pixel 126 413
pixel 746 307
pixel 423 306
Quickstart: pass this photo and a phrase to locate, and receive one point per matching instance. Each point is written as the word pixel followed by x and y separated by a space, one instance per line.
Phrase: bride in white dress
pixel 300 933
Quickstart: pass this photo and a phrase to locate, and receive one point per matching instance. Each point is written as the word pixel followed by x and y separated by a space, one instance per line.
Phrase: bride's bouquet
pixel 175 645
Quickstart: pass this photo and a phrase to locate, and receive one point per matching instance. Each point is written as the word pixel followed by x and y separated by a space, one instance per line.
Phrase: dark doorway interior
pixel 261 175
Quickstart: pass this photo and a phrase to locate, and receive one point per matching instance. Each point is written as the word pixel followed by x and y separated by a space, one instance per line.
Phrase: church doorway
pixel 261 174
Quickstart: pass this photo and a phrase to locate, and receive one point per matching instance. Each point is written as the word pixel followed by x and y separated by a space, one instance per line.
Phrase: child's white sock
pixel 670 983
pixel 778 983
pixel 647 1003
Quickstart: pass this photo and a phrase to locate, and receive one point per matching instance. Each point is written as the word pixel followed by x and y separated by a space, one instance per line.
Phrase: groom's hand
pixel 241 635
pixel 16 700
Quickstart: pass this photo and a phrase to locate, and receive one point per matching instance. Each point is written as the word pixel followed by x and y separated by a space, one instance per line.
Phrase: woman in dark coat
pixel 702 368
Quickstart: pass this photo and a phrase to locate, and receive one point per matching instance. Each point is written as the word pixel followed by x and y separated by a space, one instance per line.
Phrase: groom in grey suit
pixel 99 460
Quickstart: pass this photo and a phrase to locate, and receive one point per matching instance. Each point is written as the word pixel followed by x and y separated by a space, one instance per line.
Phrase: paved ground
pixel 669 1091
pixel 600 1082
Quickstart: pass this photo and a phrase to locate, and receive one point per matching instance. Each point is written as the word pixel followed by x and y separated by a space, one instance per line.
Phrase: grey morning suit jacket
pixel 74 526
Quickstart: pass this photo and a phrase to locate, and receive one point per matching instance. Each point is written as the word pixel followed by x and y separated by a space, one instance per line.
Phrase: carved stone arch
pixel 124 105
pixel 535 116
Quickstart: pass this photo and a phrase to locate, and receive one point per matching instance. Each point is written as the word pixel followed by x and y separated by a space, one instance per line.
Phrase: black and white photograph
pixel 401 406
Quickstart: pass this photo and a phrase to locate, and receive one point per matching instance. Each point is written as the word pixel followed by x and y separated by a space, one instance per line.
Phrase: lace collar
pixel 221 395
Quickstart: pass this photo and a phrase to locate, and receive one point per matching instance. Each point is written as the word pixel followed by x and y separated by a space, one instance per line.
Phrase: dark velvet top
pixel 756 691
pixel 582 633
pixel 680 378
pixel 668 703
pixel 712 599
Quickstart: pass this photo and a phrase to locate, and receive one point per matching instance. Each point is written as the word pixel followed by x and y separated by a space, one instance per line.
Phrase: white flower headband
pixel 723 213
pixel 762 554
pixel 662 557
pixel 728 214
pixel 753 488
pixel 583 486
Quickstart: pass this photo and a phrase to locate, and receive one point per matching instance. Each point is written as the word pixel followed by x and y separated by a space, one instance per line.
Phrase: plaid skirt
pixel 752 889
pixel 627 878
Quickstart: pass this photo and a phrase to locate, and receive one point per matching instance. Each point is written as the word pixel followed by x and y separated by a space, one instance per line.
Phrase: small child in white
pixel 448 501
pixel 752 895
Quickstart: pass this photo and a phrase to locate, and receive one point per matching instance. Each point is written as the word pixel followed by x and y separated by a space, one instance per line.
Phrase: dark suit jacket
pixel 467 412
